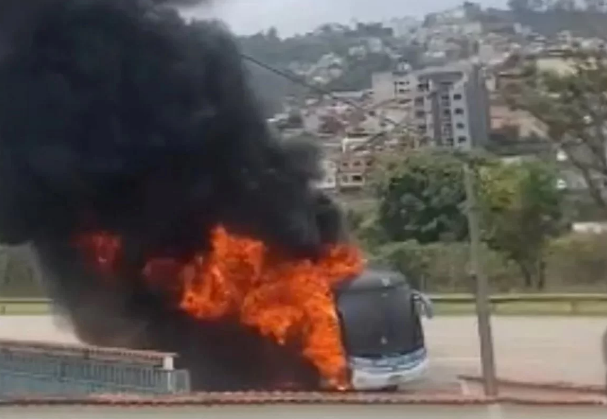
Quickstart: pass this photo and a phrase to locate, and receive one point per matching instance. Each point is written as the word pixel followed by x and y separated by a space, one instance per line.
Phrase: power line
pixel 401 124
pixel 297 80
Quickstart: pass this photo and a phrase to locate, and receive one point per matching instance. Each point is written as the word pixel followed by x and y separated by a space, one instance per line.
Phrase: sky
pixel 300 16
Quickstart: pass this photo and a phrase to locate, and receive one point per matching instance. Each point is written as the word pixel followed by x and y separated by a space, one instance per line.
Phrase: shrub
pixel 578 261
pixel 443 267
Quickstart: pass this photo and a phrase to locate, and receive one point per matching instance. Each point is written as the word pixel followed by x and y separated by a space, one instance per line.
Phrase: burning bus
pixel 302 324
pixel 380 319
pixel 165 214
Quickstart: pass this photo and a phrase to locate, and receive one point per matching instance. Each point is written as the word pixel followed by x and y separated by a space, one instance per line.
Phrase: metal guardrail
pixel 147 358
pixel 574 301
pixel 17 305
pixel 157 382
pixel 509 298
pixel 41 304
pixel 60 371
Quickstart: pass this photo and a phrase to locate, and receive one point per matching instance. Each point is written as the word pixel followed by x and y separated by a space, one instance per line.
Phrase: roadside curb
pixel 540 386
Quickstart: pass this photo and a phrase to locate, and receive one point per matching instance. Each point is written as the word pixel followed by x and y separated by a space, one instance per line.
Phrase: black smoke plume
pixel 116 115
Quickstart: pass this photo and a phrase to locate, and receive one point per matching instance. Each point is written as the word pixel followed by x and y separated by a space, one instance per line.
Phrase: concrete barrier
pixel 574 302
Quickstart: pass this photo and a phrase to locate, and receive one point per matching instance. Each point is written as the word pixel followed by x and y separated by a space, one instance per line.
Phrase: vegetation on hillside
pixel 307 50
pixel 421 197
pixel 549 17
pixel 573 106
pixel 522 208
pixel 419 224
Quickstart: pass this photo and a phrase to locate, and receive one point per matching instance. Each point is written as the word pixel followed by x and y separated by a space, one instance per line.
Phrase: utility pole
pixel 483 310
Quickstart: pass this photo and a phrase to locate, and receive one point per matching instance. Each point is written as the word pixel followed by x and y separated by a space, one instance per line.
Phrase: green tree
pixel 272 34
pixel 421 202
pixel 521 210
pixel 594 5
pixel 565 5
pixel 537 5
pixel 519 5
pixel 573 106
pixel 421 197
pixel 472 10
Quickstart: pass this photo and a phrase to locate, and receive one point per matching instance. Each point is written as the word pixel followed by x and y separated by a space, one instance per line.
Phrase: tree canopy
pixel 573 106
pixel 521 209
pixel 421 201
pixel 421 197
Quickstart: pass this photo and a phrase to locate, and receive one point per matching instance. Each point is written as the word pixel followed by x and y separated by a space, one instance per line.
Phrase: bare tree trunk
pixel 527 275
pixel 541 274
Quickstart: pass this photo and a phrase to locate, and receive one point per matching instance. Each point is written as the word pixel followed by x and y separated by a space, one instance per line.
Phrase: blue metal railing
pixel 30 374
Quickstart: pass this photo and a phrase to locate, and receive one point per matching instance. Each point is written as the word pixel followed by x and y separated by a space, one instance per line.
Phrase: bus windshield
pixel 379 322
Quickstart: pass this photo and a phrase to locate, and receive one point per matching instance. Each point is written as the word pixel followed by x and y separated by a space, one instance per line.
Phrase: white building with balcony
pixel 449 104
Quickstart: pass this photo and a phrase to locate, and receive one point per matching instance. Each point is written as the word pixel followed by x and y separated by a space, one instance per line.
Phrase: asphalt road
pixel 547 349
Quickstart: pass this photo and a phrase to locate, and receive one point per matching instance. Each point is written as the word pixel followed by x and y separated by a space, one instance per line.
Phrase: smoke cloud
pixel 116 115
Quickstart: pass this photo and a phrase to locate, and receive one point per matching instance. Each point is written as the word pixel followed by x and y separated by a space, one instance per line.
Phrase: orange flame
pixel 283 299
pixel 290 301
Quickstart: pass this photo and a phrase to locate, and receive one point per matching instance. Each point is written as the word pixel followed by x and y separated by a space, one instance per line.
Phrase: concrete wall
pixel 477 98
pixel 307 412
pixel 383 87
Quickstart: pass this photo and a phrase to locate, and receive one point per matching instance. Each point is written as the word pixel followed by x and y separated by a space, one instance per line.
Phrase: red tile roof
pixel 266 398
pixel 544 385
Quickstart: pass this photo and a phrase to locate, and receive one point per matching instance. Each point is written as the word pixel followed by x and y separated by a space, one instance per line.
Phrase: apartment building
pixel 449 104
pixel 345 172
pixel 353 170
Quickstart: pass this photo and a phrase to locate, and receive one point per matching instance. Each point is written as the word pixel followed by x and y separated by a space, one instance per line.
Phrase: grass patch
pixel 522 308
pixel 24 309
pixel 525 308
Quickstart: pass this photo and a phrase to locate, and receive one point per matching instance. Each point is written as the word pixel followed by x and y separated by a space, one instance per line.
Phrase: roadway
pixel 546 349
